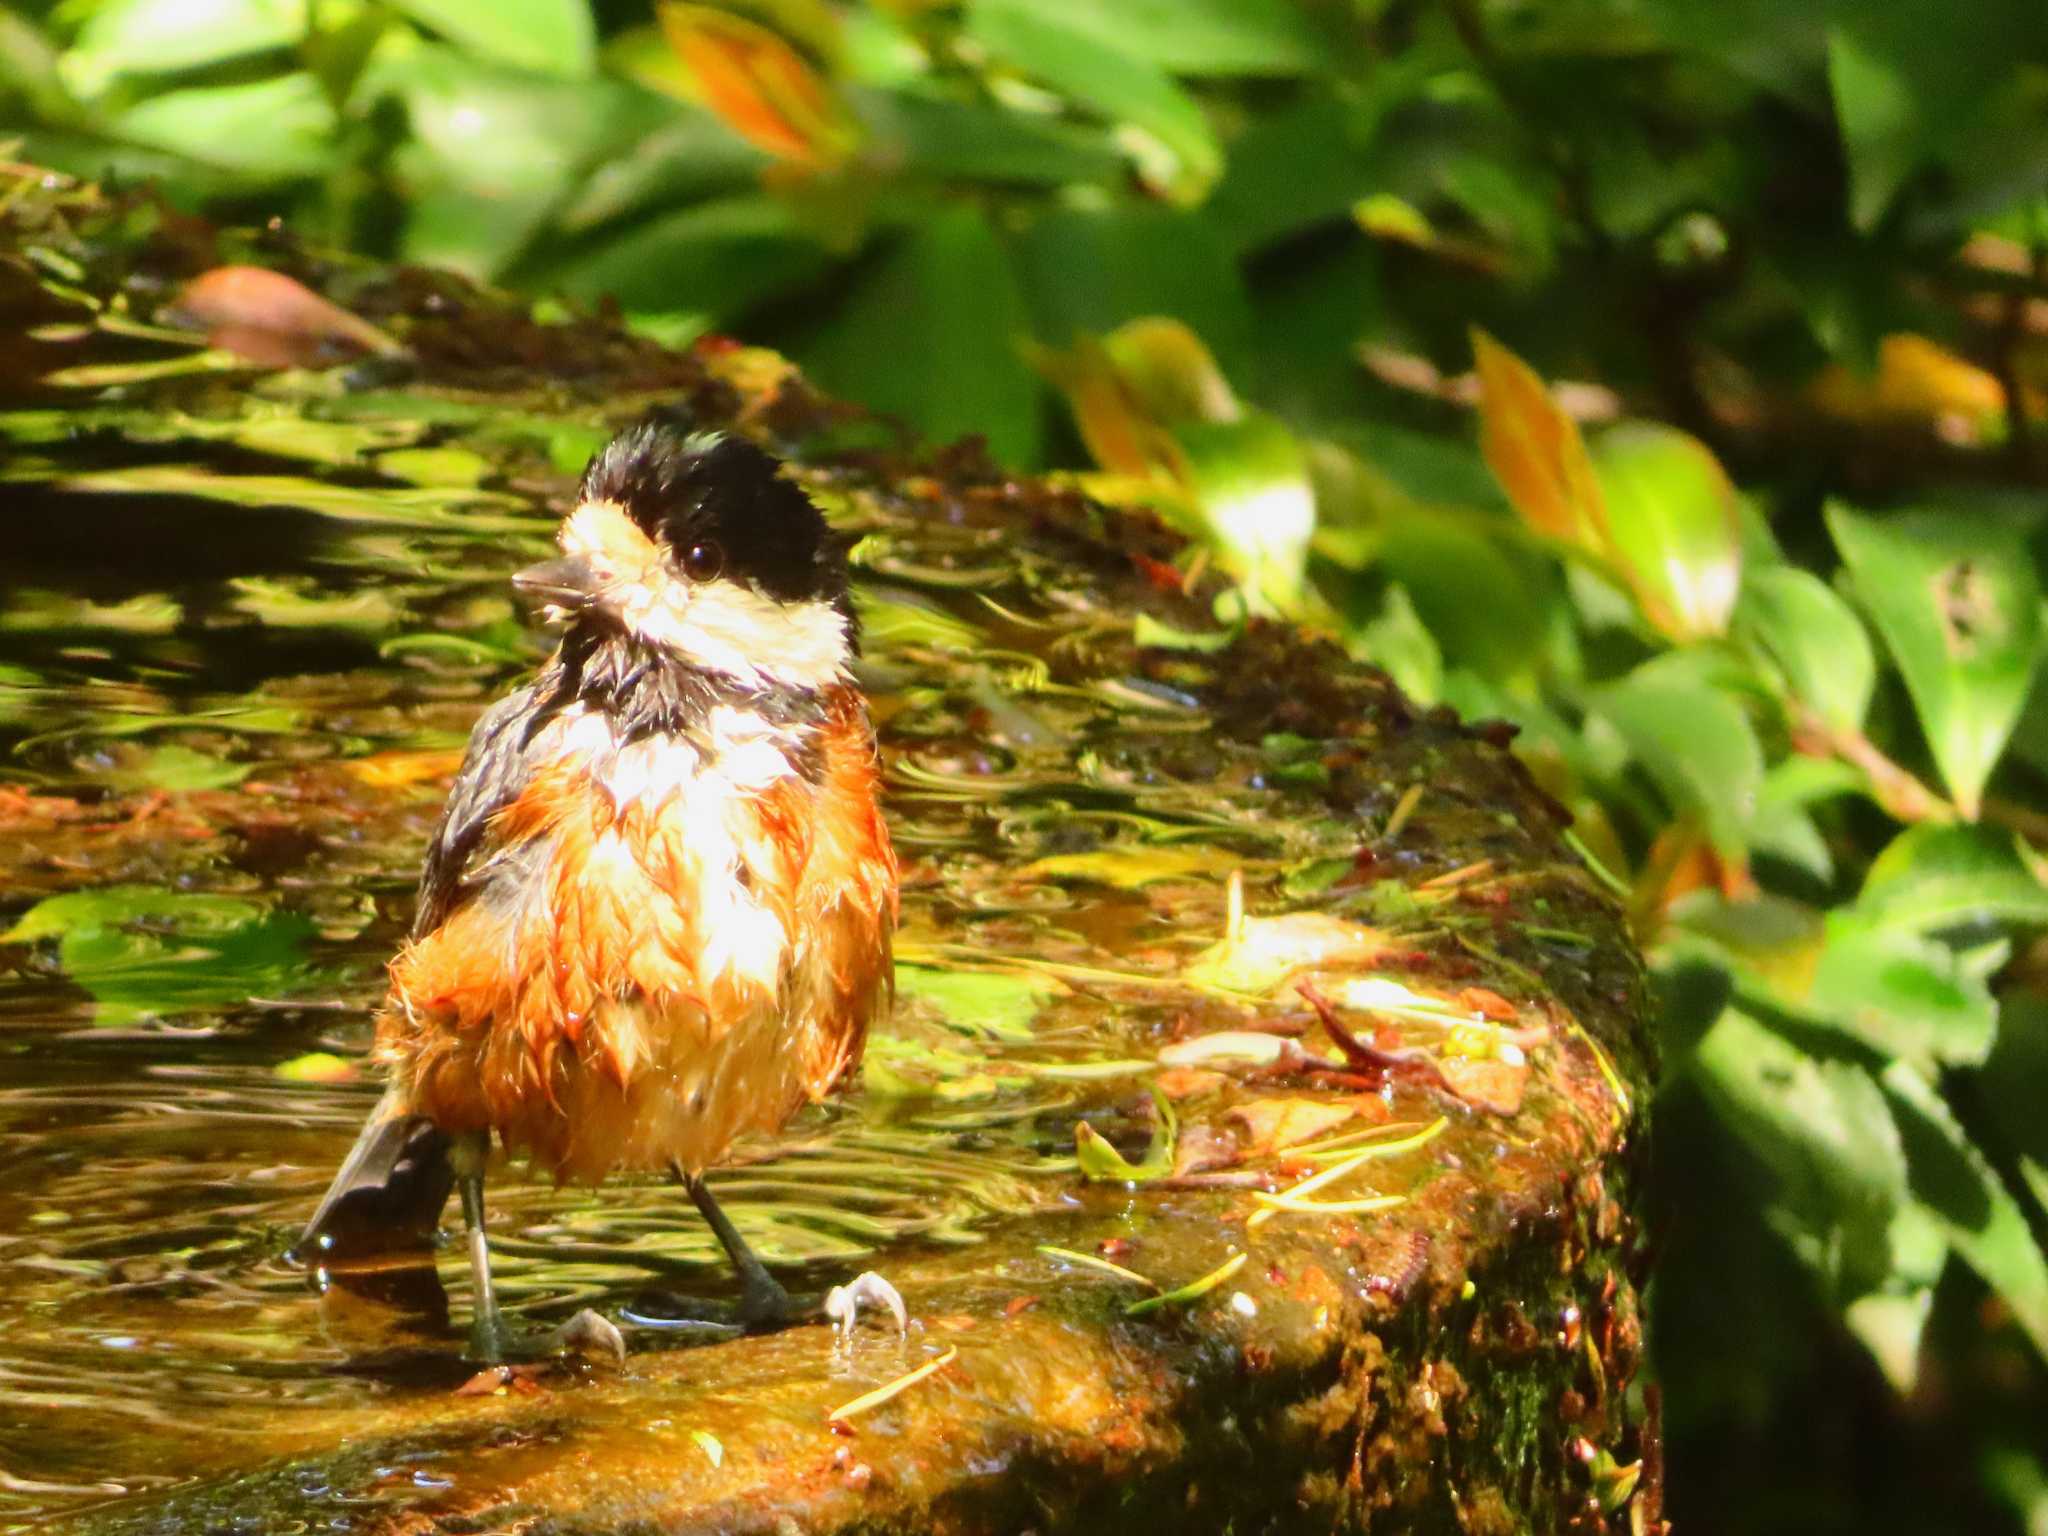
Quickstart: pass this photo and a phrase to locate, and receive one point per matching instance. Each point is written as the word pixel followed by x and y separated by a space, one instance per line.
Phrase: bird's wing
pixel 494 770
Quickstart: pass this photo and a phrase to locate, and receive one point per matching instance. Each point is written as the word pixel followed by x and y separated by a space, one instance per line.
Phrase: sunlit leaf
pixel 1166 132
pixel 1825 1130
pixel 166 35
pixel 1534 449
pixel 761 87
pixel 999 1004
pixel 1694 741
pixel 1905 995
pixel 1918 381
pixel 1958 601
pixel 272 319
pixel 1951 1179
pixel 1814 638
pixel 1102 1162
pixel 1671 526
pixel 553 37
pixel 1276 1123
pixel 283 126
pixel 1263 952
pixel 1935 877
pixel 146 952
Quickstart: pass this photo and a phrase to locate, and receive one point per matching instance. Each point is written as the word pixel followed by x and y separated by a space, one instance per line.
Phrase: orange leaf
pixel 1534 449
pixel 1486 1083
pixel 273 320
pixel 395 770
pixel 1120 433
pixel 1275 1124
pixel 759 86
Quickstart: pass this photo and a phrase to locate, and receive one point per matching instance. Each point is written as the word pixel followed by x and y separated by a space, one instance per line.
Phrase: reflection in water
pixel 248 625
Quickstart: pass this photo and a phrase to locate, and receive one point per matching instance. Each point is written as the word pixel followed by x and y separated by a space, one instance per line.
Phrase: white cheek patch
pixel 730 628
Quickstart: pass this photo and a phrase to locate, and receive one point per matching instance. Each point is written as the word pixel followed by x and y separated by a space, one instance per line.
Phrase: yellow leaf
pixel 1170 372
pixel 395 770
pixel 1534 449
pixel 759 86
pixel 1126 868
pixel 1119 432
pixel 1264 952
pixel 1916 380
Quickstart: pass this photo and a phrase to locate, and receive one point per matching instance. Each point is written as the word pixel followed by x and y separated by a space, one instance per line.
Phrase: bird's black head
pixel 694 545
pixel 723 508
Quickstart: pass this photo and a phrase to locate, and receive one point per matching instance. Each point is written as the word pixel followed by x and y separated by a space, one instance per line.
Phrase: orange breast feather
pixel 638 983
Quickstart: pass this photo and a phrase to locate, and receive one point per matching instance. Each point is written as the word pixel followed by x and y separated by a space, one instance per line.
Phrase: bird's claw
pixel 842 1303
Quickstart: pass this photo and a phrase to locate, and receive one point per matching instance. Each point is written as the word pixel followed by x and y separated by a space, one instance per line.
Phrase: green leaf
pixel 1102 1162
pixel 1813 638
pixel 1693 741
pixel 145 952
pixel 553 37
pixel 1254 504
pixel 1907 996
pixel 691 157
pixel 1199 37
pixel 1934 877
pixel 1880 134
pixel 998 1004
pixel 930 333
pixel 1398 640
pixel 159 36
pixel 723 257
pixel 1957 599
pixel 967 141
pixel 1825 1130
pixel 1951 1179
pixel 1671 526
pixel 1173 146
pixel 279 127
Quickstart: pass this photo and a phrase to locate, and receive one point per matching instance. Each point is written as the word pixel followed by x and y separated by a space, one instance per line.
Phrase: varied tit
pixel 658 908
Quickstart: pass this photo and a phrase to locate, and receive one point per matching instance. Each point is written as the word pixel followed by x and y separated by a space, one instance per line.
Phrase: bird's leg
pixel 763 1302
pixel 491 1342
pixel 487 1336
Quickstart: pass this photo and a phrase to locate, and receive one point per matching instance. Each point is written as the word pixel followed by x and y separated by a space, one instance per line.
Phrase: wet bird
pixel 657 911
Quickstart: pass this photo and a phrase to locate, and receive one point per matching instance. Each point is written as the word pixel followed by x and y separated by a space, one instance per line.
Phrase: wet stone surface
pixel 1157 874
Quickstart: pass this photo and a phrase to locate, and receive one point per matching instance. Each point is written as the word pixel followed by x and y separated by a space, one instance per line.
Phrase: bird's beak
pixel 570 582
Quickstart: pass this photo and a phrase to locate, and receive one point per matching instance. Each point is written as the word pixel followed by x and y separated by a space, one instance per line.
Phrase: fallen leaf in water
pixel 1278 1123
pixel 273 320
pixel 1264 952
pixel 1179 1083
pixel 1488 1004
pixel 1126 868
pixel 1490 1084
pixel 395 770
pixel 316 1067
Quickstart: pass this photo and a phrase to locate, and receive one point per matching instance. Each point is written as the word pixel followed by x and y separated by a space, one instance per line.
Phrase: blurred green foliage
pixel 1760 583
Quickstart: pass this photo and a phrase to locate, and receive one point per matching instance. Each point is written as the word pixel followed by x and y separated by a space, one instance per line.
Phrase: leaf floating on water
pixel 1096 1262
pixel 883 1394
pixel 1194 1290
pixel 1275 1124
pixel 1295 1198
pixel 1102 1162
pixel 1265 951
pixel 1490 1083
pixel 1126 868
pixel 710 1445
pixel 316 1067
pixel 1000 1004
pixel 273 320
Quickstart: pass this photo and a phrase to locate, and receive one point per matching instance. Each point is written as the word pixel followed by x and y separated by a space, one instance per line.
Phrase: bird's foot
pixel 492 1342
pixel 843 1302
pixel 764 1305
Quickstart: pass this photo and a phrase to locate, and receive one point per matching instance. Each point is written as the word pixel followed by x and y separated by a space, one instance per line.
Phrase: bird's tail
pixel 388 1192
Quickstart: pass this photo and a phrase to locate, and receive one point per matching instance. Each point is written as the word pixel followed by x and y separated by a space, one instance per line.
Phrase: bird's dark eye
pixel 703 560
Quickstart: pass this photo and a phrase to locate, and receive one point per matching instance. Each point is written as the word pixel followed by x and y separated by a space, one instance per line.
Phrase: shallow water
pixel 246 620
